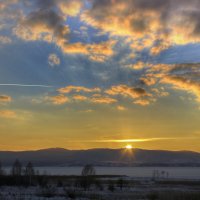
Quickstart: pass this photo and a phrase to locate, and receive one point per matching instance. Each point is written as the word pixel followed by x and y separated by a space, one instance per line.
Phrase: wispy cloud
pixel 138 140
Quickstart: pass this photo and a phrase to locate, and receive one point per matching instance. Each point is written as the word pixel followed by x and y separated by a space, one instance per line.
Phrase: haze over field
pixel 81 74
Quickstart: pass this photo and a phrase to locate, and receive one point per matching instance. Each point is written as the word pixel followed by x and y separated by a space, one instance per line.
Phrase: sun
pixel 128 146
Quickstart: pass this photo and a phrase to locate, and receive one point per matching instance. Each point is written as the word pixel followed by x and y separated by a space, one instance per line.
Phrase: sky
pixel 81 74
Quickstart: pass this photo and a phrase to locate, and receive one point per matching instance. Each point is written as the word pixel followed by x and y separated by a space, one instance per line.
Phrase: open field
pixel 96 187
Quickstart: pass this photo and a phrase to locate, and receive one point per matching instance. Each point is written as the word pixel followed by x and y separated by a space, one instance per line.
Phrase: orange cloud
pixel 149 81
pixel 138 65
pixel 80 98
pixel 98 52
pixel 154 24
pixel 142 102
pixel 47 21
pixel 182 83
pixel 70 8
pixel 5 98
pixel 7 114
pixel 121 108
pixel 59 99
pixel 72 88
pixel 127 91
pixel 103 100
pixel 48 24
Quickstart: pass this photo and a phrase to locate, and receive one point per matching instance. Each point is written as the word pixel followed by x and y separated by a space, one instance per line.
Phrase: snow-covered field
pixel 138 191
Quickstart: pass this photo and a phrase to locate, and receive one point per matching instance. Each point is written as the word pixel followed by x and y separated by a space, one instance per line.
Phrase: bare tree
pixel 111 186
pixel 17 168
pixel 29 172
pixel 17 172
pixel 88 170
pixel 120 183
pixel 88 177
pixel 1 170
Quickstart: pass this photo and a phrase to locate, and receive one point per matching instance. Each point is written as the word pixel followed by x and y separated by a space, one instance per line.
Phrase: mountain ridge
pixel 102 157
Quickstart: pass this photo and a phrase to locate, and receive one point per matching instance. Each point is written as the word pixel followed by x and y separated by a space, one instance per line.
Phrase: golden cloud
pixel 7 114
pixel 142 102
pixel 72 88
pixel 121 108
pixel 59 99
pixel 154 24
pixel 44 25
pixel 149 81
pixel 69 7
pixel 5 98
pixel 127 91
pixel 182 83
pixel 103 100
pixel 139 65
pixel 98 52
pixel 80 98
pixel 48 23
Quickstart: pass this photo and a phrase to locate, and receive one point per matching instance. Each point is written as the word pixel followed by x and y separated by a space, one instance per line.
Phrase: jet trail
pixel 24 85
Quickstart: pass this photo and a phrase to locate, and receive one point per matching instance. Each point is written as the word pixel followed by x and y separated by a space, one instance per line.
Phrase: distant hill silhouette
pixel 104 157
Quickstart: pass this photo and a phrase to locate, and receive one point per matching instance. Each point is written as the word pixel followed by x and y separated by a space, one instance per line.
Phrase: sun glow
pixel 128 146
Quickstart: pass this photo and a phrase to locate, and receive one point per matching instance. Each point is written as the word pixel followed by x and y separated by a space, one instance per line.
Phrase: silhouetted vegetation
pixel 29 173
pixel 88 177
pixel 91 186
pixel 111 186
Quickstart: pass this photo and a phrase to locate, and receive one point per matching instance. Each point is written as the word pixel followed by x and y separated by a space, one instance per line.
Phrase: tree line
pixel 28 176
pixel 17 171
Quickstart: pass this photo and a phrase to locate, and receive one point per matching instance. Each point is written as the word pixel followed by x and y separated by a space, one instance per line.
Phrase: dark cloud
pixel 168 21
pixel 49 19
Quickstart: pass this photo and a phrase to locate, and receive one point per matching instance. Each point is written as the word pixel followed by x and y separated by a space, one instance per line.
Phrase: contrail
pixel 23 85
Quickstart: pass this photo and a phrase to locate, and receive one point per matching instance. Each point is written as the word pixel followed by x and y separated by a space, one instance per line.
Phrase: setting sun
pixel 129 146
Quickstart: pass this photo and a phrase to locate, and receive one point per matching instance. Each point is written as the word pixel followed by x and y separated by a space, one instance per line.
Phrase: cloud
pixel 103 100
pixel 5 98
pixel 182 83
pixel 69 7
pixel 149 81
pixel 124 90
pixel 142 102
pixel 183 76
pixel 7 114
pixel 5 40
pixel 140 139
pixel 80 98
pixel 9 12
pixel 53 60
pixel 121 108
pixel 59 99
pixel 98 52
pixel 43 24
pixel 154 24
pixel 72 88
pixel 47 21
pixel 160 92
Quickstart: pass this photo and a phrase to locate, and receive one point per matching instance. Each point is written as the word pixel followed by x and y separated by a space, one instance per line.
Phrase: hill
pixel 102 157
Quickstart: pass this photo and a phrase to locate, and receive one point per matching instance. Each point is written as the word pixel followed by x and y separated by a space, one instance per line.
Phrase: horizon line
pixel 101 148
